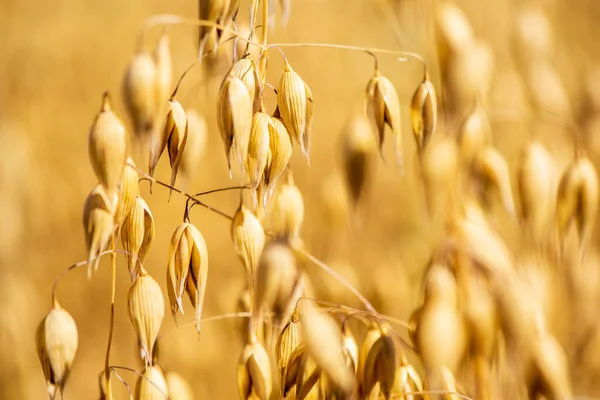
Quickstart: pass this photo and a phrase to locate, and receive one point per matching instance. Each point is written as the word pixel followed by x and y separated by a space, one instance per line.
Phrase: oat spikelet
pixel 107 146
pixel 128 192
pixel 492 169
pixel 475 134
pixel 358 148
pixel 98 224
pixel 179 388
pixel 280 150
pixel 139 93
pixel 56 341
pixel 248 238
pixel 276 277
pixel 323 339
pixel 137 235
pixel 423 113
pixel 537 189
pixel 173 137
pixel 294 100
pixel 245 69
pixel 287 214
pixel 164 74
pixel 146 307
pixel 577 200
pixel 215 11
pixel 378 361
pixel 152 385
pixel 288 340
pixel 234 117
pixel 254 376
pixel 440 313
pixel 187 270
pixel 383 107
pixel 258 151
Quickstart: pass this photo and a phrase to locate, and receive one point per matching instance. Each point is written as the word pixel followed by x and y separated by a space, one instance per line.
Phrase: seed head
pixel 139 93
pixel 137 235
pixel 287 341
pixel 439 169
pixel 358 148
pixel 577 199
pixel 248 238
pixel 294 100
pixel 234 116
pixel 164 75
pixel 323 340
pixel 280 152
pixel 98 223
pixel 56 340
pixel 276 277
pixel 423 113
pixel 492 171
pixel 215 11
pixel 537 189
pixel 128 192
pixel 146 307
pixel 350 346
pixel 475 134
pixel 107 147
pixel 179 388
pixel 379 365
pixel 174 137
pixel 453 32
pixel 245 70
pixel 383 107
pixel 254 375
pixel 258 151
pixel 151 385
pixel 187 269
pixel 407 381
pixel 287 214
pixel 307 378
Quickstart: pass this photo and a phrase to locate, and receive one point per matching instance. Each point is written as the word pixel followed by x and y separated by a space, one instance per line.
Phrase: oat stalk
pixel 113 284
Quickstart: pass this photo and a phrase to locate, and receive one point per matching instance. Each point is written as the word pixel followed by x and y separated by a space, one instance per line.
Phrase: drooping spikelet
pixel 383 107
pixel 98 223
pixel 56 341
pixel 187 270
pixel 107 147
pixel 139 94
pixel 146 306
pixel 295 103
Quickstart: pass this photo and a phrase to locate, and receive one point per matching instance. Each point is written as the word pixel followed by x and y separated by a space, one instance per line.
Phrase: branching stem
pixel 113 278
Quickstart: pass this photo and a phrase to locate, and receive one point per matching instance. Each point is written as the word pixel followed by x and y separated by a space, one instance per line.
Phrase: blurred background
pixel 56 59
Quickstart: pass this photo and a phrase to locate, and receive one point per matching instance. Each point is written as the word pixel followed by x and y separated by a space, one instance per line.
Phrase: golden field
pixel 56 59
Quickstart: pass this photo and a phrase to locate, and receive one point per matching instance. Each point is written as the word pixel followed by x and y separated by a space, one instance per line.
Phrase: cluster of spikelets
pixel 476 307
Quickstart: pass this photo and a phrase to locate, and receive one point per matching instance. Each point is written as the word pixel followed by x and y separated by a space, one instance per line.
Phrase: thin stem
pixel 221 190
pixel 369 50
pixel 123 382
pixel 173 188
pixel 340 279
pixel 74 266
pixel 262 68
pixel 183 76
pixel 113 274
pixel 243 314
pixel 170 19
pixel 141 375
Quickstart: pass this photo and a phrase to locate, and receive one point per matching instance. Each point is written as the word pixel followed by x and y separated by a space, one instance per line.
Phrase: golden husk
pixel 146 307
pixel 107 147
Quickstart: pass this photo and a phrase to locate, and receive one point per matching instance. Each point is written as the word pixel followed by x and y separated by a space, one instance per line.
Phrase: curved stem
pixel 147 177
pixel 141 375
pixel 340 279
pixel 262 67
pixel 243 314
pixel 369 50
pixel 113 273
pixel 123 382
pixel 74 266
pixel 170 19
